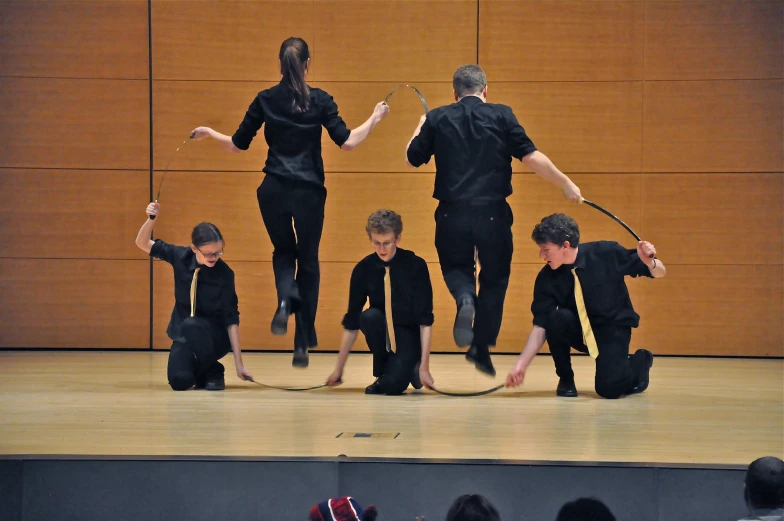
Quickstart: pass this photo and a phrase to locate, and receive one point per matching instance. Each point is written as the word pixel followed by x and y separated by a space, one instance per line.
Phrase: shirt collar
pixel 470 99
pixel 579 261
pixel 193 264
pixel 391 262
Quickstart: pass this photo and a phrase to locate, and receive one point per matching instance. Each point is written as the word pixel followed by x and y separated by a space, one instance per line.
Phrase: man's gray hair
pixel 469 79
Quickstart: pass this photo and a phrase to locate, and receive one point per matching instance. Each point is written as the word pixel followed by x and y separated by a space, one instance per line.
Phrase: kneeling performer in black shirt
pixel 398 324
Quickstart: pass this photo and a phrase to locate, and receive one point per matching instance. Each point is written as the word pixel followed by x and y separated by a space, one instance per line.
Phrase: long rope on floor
pixel 281 388
pixel 477 393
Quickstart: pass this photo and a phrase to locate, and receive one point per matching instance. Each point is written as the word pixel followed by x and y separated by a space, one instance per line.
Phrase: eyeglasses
pixel 384 245
pixel 210 255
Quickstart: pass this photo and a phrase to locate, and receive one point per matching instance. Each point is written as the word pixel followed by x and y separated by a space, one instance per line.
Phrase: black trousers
pixel 194 361
pixel 461 227
pixel 394 370
pixel 293 214
pixel 616 371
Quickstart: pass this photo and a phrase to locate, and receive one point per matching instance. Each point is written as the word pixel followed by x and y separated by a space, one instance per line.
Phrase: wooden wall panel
pixel 181 106
pixel 255 284
pixel 535 198
pixel 237 40
pixel 74 39
pixel 715 218
pixel 543 40
pixel 716 310
pixel 65 123
pixel 581 126
pixel 234 210
pixel 714 126
pixel 385 149
pixel 226 199
pixel 393 41
pixel 256 292
pixel 74 303
pixel 352 197
pixel 73 214
pixel 714 39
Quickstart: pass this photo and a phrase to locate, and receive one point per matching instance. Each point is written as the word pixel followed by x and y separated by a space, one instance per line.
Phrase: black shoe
pixel 300 357
pixel 644 377
pixel 280 321
pixel 215 383
pixel 463 330
pixel 373 388
pixel 480 357
pixel 415 381
pixel 566 388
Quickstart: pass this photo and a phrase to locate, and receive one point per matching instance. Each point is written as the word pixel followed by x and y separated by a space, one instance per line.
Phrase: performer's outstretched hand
pixel 200 133
pixel 153 209
pixel 515 377
pixel 243 373
pixel 380 111
pixel 646 251
pixel 335 378
pixel 426 378
pixel 572 192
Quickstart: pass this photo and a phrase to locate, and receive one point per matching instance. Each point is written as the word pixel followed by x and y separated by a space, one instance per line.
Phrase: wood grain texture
pixel 104 404
pixel 564 40
pixel 233 208
pixel 717 310
pixel 534 198
pixel 237 40
pixel 73 214
pixel 714 126
pixel 385 149
pixel 581 126
pixel 257 301
pixel 74 39
pixel 708 40
pixel 352 197
pixel 715 218
pixel 397 41
pixel 100 304
pixel 181 106
pixel 83 124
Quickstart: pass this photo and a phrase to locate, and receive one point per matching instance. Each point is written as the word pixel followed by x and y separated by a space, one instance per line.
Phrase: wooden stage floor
pixel 697 411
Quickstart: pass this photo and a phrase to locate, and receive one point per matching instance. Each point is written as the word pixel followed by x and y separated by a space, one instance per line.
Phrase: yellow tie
pixel 588 337
pixel 388 312
pixel 193 292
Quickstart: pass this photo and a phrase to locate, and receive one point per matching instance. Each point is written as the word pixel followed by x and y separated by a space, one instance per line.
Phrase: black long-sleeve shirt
pixel 601 267
pixel 294 140
pixel 216 298
pixel 473 143
pixel 412 292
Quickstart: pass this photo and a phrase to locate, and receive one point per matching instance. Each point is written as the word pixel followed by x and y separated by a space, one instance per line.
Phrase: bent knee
pixel 181 381
pixel 610 391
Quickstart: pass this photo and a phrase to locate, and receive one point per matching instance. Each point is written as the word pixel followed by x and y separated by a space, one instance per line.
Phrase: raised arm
pixel 143 238
pixel 359 134
pixel 647 253
pixel 223 140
